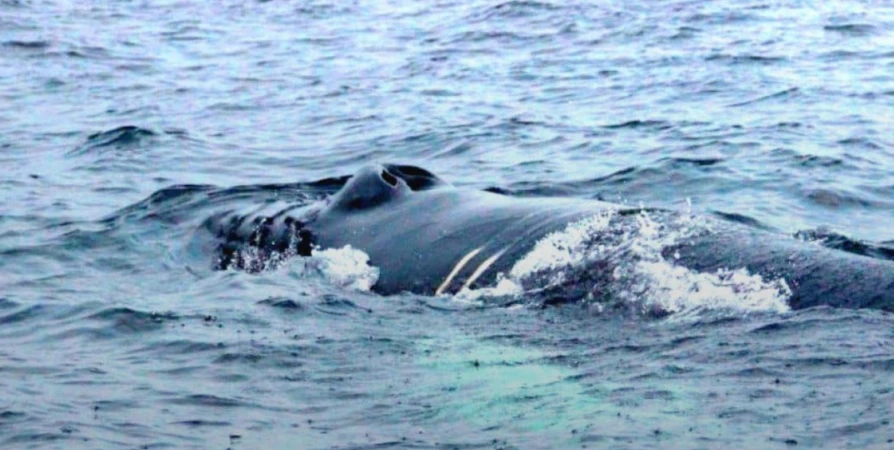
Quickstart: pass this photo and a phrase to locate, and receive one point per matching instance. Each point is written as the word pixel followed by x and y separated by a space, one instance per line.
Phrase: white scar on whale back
pixel 459 266
pixel 483 267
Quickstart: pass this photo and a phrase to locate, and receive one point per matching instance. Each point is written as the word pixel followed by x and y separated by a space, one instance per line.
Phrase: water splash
pixel 562 248
pixel 345 267
pixel 616 259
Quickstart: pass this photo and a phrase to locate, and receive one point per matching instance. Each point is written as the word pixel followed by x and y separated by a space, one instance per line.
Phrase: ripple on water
pixel 204 423
pixel 6 303
pixel 128 137
pixel 27 313
pixel 851 29
pixel 283 303
pixel 27 45
pixel 130 321
pixel 9 418
pixel 208 400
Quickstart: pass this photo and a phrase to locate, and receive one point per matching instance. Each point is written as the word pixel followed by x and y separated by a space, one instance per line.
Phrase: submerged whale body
pixel 429 237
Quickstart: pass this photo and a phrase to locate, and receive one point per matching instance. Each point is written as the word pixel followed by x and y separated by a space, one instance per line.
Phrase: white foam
pixel 561 248
pixel 640 276
pixel 671 289
pixel 660 285
pixel 346 268
pixel 504 287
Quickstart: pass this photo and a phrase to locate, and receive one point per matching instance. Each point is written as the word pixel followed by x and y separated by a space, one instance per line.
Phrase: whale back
pixel 418 229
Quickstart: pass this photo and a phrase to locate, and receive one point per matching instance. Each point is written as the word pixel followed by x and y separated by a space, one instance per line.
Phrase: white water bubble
pixel 561 248
pixel 640 276
pixel 346 267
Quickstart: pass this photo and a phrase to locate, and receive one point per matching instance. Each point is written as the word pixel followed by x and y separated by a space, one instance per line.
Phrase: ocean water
pixel 125 125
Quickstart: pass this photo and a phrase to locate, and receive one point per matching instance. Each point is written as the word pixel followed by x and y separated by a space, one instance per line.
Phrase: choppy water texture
pixel 779 113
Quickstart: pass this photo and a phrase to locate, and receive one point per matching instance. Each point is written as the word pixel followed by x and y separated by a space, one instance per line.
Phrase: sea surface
pixel 125 125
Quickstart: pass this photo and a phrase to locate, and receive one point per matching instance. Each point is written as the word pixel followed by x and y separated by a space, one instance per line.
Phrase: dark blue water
pixel 124 126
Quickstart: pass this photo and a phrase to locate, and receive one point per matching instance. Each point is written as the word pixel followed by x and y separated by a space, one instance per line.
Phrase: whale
pixel 429 237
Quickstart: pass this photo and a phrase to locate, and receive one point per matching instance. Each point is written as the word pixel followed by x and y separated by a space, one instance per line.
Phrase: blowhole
pixel 390 179
pixel 416 178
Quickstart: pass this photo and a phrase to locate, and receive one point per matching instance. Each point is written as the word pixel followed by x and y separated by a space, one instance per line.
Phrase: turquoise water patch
pixel 520 390
pixel 504 386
